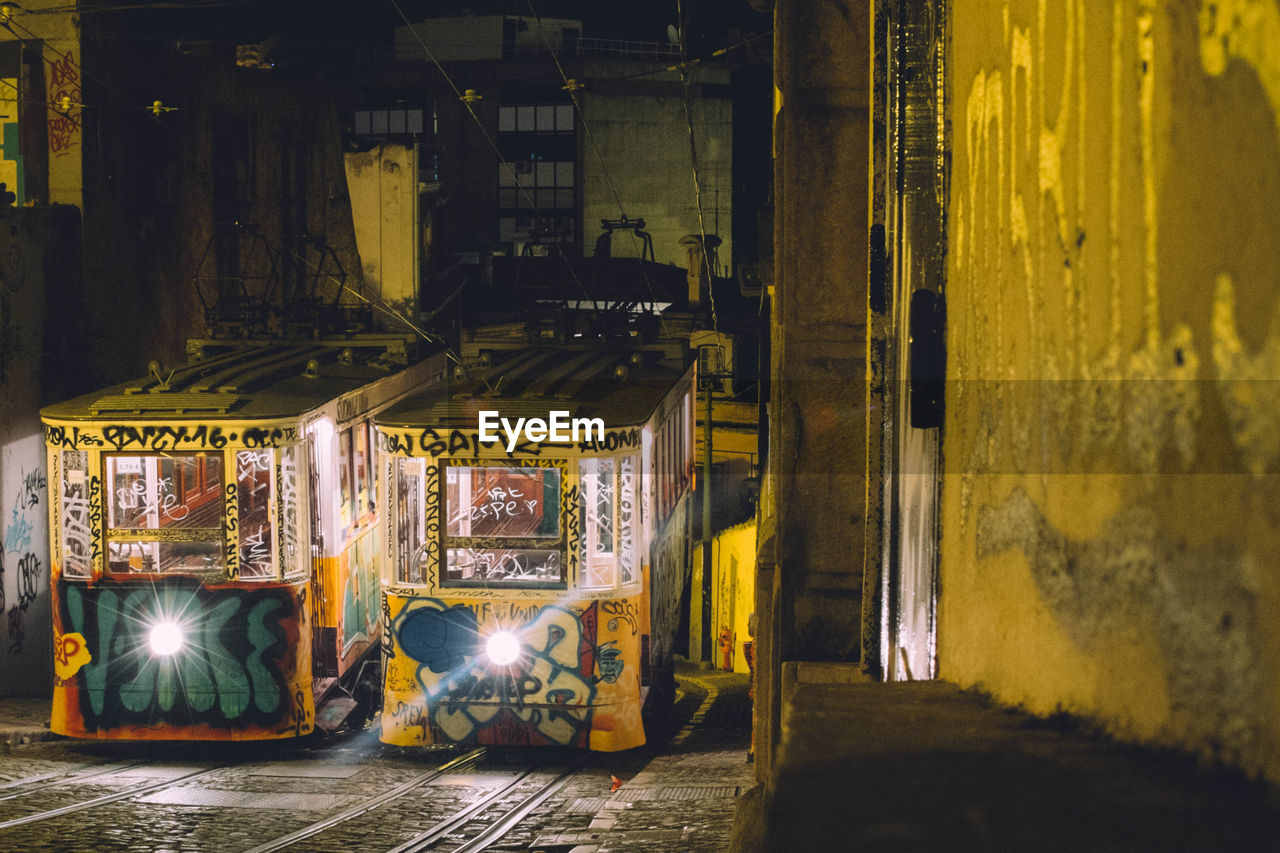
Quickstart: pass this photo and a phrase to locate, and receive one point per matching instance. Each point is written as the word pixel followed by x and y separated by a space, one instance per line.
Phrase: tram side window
pixel 345 485
pixel 607 508
pixel 77 531
pixel 356 477
pixel 502 526
pixel 411 521
pixel 293 559
pixel 254 488
pixel 164 512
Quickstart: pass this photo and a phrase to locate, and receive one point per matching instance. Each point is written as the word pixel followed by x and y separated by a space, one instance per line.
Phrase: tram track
pixel 493 809
pixel 105 799
pixel 461 762
pixel 55 778
pixel 501 824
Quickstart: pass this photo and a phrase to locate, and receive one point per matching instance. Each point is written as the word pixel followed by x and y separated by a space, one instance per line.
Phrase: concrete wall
pixel 643 139
pixel 1113 427
pixel 813 506
pixel 39 291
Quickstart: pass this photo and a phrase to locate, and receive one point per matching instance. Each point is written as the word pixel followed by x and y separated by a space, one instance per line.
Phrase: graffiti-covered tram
pixel 528 578
pixel 213 539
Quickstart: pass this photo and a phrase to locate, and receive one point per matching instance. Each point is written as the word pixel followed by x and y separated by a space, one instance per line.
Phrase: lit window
pixel 164 512
pixel 502 526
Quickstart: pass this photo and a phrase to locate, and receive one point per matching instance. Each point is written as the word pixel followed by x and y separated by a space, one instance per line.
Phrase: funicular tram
pixel 213 538
pixel 531 582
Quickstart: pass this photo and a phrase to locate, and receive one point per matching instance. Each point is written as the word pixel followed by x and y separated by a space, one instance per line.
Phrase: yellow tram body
pixel 516 598
pixel 214 547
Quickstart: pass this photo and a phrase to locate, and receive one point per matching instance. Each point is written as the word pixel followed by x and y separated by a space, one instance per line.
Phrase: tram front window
pixel 502 526
pixel 164 512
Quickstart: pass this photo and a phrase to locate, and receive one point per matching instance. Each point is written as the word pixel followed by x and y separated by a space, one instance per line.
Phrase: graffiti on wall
pixel 1075 177
pixel 234 667
pixel 1024 253
pixel 64 86
pixel 544 698
pixel 21 567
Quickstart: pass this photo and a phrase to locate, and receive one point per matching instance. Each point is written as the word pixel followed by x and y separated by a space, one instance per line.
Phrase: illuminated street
pixel 354 794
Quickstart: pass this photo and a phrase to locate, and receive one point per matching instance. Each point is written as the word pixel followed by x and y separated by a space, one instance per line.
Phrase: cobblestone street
pixel 677 795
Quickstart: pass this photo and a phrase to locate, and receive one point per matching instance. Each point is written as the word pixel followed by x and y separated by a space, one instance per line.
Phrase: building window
pixel 390 122
pixel 536 118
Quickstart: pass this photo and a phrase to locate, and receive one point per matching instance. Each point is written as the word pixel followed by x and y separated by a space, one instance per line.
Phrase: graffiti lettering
pixel 548 693
pixel 624 610
pixel 32 485
pixel 350 408
pixel 58 436
pixel 257 437
pixel 230 671
pixel 134 497
pixel 18 536
pixel 613 440
pixel 626 517
pixel 432 533
pixel 121 436
pixel 28 579
pixel 64 83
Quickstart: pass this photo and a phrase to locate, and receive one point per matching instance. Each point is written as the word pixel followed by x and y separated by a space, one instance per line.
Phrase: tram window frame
pixel 613 566
pixel 357 479
pixel 532 546
pixel 148 543
pixel 77 533
pixel 249 505
pixel 293 558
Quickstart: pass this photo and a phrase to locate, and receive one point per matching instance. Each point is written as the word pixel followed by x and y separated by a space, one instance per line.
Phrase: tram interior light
pixel 165 639
pixel 503 648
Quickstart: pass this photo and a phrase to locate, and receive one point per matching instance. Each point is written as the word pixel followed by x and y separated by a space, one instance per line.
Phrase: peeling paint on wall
pixel 1114 349
pixel 1200 605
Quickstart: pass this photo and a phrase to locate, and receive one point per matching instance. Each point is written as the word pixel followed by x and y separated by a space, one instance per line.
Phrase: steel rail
pixel 499 828
pixel 64 777
pixel 519 812
pixel 426 839
pixel 319 826
pixel 108 798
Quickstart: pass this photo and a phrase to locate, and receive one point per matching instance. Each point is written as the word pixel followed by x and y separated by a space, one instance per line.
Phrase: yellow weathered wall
pixel 1109 522
pixel 733 590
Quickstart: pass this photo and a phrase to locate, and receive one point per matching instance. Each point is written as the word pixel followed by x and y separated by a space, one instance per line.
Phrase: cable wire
pixel 604 168
pixel 693 153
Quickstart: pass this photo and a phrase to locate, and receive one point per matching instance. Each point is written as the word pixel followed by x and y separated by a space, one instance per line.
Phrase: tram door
pixel 915 84
pixel 324 636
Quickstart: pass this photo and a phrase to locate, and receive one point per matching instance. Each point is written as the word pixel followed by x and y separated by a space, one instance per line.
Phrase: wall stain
pixel 1201 605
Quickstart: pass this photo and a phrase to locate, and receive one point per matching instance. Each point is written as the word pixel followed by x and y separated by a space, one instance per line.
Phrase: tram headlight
pixel 502 648
pixel 165 639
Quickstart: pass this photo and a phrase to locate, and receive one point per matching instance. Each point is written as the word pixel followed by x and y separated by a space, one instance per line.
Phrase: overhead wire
pixel 7 21
pixel 693 153
pixel 383 306
pixel 488 138
pixel 572 89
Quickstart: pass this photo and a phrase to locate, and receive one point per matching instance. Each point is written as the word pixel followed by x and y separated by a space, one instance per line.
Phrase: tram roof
pixel 622 386
pixel 238 380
